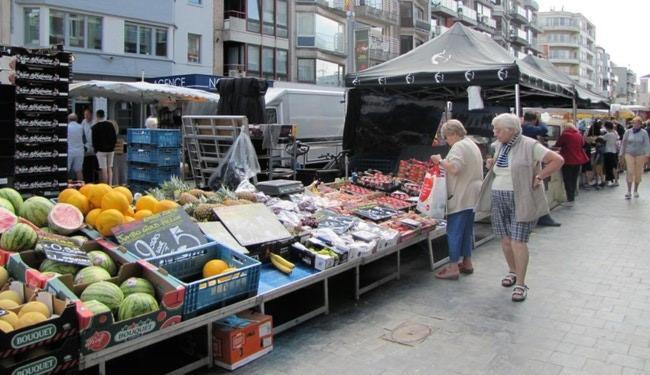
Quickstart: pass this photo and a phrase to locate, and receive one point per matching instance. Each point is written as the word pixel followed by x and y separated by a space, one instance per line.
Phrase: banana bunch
pixel 282 264
pixel 329 253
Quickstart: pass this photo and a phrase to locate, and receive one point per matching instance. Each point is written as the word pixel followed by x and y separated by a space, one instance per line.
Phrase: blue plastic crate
pixel 213 292
pixel 162 157
pixel 156 137
pixel 154 175
pixel 140 187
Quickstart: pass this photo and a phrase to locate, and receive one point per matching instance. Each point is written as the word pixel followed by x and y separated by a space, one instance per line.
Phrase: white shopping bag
pixel 433 196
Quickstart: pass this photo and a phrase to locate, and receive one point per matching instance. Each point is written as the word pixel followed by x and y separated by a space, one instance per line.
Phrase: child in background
pixel 599 163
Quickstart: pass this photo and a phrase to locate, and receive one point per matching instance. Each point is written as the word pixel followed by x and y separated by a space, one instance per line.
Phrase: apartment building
pixel 603 81
pixel 626 88
pixel 512 23
pixel 5 22
pixel 644 91
pixel 569 41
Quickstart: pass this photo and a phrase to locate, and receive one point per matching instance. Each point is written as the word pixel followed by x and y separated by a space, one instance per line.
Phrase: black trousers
pixel 570 174
pixel 90 167
pixel 611 163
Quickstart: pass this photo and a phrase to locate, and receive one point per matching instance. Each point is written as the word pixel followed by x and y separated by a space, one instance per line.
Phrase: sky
pixel 621 28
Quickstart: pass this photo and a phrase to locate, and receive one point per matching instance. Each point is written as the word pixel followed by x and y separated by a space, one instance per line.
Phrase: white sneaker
pixel 636 195
pixel 628 196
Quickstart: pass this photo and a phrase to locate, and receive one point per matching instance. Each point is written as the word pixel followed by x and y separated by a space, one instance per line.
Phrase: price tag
pixel 63 250
pixel 165 233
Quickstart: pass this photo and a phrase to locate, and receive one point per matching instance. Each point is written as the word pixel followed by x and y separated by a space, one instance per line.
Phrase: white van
pixel 317 111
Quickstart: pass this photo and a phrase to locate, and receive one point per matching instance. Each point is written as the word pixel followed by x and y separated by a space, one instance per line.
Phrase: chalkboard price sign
pixel 62 250
pixel 167 232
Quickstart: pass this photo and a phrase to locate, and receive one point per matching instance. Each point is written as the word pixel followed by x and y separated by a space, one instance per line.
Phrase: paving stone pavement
pixel 588 310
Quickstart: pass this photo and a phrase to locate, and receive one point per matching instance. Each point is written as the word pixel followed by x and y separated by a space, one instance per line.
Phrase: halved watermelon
pixel 7 219
pixel 65 218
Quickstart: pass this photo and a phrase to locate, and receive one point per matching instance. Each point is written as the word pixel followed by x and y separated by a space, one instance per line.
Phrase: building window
pixel 145 40
pixel 32 26
pixel 405 44
pixel 75 30
pixel 194 48
pixel 321 32
pixel 281 61
pixel 268 62
pixel 320 72
pixel 253 60
pixel 268 16
pixel 281 22
pixel 57 27
pixel 253 15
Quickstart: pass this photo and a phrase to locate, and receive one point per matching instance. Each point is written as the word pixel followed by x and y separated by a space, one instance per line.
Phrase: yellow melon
pixel 164 205
pixel 147 202
pixel 10 317
pixel 91 218
pixel 29 319
pixel 97 193
pixel 214 267
pixel 7 304
pixel 86 189
pixel 11 295
pixel 126 192
pixel 80 201
pixel 36 306
pixel 108 219
pixel 115 200
pixel 66 194
pixel 142 214
pixel 5 327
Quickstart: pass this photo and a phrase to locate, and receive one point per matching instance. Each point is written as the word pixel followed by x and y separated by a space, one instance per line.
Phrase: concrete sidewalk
pixel 588 309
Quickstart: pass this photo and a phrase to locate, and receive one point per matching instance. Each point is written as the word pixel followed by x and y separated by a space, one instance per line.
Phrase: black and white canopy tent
pixel 395 107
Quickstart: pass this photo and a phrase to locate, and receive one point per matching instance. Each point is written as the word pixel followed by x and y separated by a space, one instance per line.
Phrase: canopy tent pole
pixel 517 110
pixel 575 107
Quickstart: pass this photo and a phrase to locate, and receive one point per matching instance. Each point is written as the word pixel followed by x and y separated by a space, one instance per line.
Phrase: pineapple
pixel 186 198
pixel 251 197
pixel 197 193
pixel 156 193
pixel 174 187
pixel 205 212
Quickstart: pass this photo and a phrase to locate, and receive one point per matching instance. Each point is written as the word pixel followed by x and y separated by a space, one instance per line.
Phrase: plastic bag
pixel 240 164
pixel 433 197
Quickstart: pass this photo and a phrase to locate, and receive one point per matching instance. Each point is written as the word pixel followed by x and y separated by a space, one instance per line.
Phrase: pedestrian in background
pixel 119 160
pixel 635 149
pixel 75 148
pixel 570 144
pixel 104 139
pixel 513 193
pixel 464 167
pixel 611 154
pixel 90 165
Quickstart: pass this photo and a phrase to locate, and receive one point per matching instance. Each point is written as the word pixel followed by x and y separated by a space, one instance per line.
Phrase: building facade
pixel 512 23
pixel 603 81
pixel 569 41
pixel 147 37
pixel 626 87
pixel 644 91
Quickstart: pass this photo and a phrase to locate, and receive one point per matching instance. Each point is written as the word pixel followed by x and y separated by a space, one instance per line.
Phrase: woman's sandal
pixel 465 270
pixel 509 280
pixel 519 293
pixel 444 274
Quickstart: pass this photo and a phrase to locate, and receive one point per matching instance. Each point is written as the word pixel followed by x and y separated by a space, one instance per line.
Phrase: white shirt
pixel 503 176
pixel 87 127
pixel 610 142
pixel 75 139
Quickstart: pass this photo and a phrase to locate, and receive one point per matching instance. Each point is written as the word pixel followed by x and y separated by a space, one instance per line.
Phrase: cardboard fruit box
pixel 62 324
pixel 24 266
pixel 103 330
pixel 49 359
pixel 241 338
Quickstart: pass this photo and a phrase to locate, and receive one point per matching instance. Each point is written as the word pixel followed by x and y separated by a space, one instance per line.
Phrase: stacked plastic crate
pixel 154 156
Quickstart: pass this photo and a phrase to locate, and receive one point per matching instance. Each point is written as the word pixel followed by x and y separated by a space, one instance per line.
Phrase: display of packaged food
pixel 394 203
pixel 377 213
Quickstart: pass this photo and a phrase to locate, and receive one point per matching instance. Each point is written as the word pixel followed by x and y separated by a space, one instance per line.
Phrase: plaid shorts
pixel 503 217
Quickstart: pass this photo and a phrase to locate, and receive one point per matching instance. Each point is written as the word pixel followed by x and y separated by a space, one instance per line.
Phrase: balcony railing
pixel 373 9
pixel 450 5
pixel 333 43
pixel 486 20
pixel 334 4
pixel 383 49
pixel 467 12
pixel 519 14
pixel 532 4
pixel 423 25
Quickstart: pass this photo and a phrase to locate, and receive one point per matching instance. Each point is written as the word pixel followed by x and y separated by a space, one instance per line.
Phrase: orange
pixel 128 219
pixel 147 202
pixel 97 192
pixel 115 200
pixel 214 267
pixel 142 214
pixel 80 201
pixel 107 220
pixel 86 189
pixel 164 205
pixel 91 218
pixel 127 193
pixel 66 194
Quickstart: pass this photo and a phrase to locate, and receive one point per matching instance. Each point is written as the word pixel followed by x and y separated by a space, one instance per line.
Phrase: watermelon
pixel 4 203
pixel 137 285
pixel 136 304
pixel 105 292
pixel 19 237
pixel 49 265
pixel 96 307
pixel 101 259
pixel 91 274
pixel 13 197
pixel 7 220
pixel 36 209
pixel 65 218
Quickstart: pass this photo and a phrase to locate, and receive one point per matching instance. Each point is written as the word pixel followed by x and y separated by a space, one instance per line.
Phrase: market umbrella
pixel 140 92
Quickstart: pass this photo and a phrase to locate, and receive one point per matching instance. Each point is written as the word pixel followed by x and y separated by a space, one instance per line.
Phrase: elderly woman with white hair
pixel 464 166
pixel 513 192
